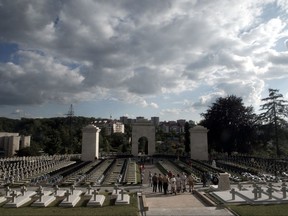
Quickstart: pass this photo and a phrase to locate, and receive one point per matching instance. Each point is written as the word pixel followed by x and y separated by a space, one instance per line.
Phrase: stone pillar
pixel 199 143
pixel 90 143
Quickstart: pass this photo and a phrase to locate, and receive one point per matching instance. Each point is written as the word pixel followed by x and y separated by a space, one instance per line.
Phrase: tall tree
pixel 230 125
pixel 275 110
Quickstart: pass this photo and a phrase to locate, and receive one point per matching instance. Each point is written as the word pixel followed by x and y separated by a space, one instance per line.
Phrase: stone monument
pixel 143 128
pixel 90 143
pixel 199 143
pixel 224 182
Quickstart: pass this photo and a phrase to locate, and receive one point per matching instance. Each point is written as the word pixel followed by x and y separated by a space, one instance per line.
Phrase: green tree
pixel 230 124
pixel 275 110
pixel 117 140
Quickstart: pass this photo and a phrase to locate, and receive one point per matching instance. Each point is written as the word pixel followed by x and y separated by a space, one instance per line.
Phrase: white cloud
pixel 129 51
pixel 154 105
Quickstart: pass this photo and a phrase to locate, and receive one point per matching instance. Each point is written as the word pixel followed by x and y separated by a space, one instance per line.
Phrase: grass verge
pixel 260 210
pixel 108 209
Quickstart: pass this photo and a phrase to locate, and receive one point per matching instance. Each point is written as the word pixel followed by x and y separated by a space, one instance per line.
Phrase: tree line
pixel 232 126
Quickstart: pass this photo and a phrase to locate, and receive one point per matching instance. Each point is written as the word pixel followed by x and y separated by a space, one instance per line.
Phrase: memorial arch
pixel 143 130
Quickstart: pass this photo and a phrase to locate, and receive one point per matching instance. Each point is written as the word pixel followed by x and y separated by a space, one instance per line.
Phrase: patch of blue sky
pixel 270 11
pixel 280 45
pixel 7 52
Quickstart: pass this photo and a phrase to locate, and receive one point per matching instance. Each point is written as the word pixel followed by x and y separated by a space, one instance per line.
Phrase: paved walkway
pixel 180 204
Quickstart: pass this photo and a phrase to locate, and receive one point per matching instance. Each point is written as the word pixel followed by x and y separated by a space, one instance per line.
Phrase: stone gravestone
pixel 233 193
pixel 40 193
pixel 23 190
pixel 270 190
pixel 255 192
pixel 72 188
pixel 13 195
pixel 7 190
pixel 89 188
pixel 71 198
pixel 224 182
pixel 97 199
pixel 45 198
pixel 260 191
pixel 122 198
pixel 20 200
pixel 67 194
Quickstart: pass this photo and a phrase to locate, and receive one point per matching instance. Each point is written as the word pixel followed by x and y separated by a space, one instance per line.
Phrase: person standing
pixel 203 179
pixel 190 181
pixel 154 182
pixel 183 178
pixel 170 175
pixel 160 183
pixel 150 179
pixel 173 184
pixel 178 183
pixel 209 178
pixel 142 177
pixel 165 181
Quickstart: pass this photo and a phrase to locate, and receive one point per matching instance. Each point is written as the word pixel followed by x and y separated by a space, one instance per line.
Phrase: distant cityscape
pixel 118 126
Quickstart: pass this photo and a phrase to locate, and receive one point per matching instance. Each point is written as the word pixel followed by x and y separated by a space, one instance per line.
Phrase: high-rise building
pixel 155 120
pixel 118 127
pixel 124 119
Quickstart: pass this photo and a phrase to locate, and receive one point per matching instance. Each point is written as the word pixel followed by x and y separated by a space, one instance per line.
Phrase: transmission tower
pixel 70 113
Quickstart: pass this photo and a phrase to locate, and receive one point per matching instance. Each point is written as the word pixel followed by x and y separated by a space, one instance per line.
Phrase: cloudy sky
pixel 163 58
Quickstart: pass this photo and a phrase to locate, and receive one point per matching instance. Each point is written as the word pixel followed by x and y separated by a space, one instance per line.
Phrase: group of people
pixel 171 183
pixel 207 178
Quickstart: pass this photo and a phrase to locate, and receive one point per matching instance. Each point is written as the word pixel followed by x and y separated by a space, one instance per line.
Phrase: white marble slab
pixel 47 199
pixel 2 199
pixel 72 200
pixel 225 196
pixel 247 196
pixel 21 200
pixel 125 200
pixel 98 202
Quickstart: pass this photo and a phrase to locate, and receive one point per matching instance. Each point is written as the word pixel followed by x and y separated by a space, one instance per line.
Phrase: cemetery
pixel 85 180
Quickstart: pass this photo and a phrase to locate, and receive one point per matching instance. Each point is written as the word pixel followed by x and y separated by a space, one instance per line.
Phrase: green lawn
pixel 80 210
pixel 261 210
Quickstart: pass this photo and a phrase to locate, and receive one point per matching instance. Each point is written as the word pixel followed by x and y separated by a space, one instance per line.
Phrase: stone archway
pixel 143 145
pixel 145 129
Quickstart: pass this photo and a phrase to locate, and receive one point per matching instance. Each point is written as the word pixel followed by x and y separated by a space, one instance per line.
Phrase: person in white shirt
pixel 183 182
pixel 172 182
